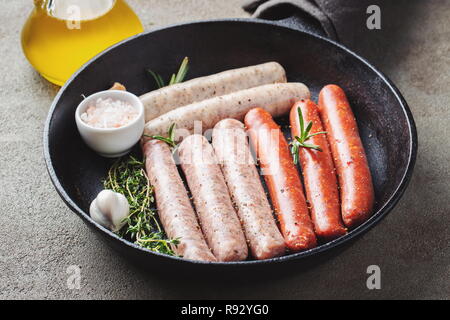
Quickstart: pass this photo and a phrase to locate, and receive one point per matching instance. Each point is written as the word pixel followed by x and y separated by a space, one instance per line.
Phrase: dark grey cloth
pixel 340 19
pixel 346 21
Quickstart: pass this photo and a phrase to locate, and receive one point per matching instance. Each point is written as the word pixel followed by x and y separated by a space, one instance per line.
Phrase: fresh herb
pixel 179 77
pixel 158 79
pixel 170 140
pixel 127 176
pixel 175 78
pixel 299 141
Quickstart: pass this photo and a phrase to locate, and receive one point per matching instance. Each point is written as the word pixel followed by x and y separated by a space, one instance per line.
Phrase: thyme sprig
pixel 127 176
pixel 299 141
pixel 175 78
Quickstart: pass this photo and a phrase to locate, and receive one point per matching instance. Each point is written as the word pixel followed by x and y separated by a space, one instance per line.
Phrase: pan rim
pixel 366 226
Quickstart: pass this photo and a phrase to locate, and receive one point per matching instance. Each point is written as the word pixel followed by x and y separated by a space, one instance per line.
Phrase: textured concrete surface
pixel 40 237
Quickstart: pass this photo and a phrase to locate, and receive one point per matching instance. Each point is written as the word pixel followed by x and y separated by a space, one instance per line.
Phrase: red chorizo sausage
pixel 355 181
pixel 319 175
pixel 282 179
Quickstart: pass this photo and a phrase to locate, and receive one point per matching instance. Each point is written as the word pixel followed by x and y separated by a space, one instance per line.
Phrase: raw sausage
pixel 282 179
pixel 230 143
pixel 277 99
pixel 319 175
pixel 355 181
pixel 174 207
pixel 219 221
pixel 168 98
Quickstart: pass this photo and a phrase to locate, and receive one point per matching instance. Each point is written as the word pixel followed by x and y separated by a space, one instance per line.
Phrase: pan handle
pixel 308 18
pixel 303 23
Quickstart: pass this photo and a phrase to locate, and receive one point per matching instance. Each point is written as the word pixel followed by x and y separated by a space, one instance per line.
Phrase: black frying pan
pixel 385 121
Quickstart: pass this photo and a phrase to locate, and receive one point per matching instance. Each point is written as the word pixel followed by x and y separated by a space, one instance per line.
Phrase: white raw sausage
pixel 233 152
pixel 277 99
pixel 174 207
pixel 219 221
pixel 168 98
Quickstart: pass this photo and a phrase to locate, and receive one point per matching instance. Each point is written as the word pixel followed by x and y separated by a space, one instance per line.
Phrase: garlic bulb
pixel 110 209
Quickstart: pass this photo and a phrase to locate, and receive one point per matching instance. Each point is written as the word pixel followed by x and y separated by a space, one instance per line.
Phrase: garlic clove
pixel 110 209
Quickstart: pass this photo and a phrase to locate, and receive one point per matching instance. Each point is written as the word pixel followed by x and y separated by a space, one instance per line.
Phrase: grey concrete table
pixel 40 237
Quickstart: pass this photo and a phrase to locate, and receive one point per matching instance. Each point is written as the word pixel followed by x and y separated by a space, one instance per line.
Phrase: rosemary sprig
pixel 179 77
pixel 175 78
pixel 299 141
pixel 170 139
pixel 127 176
pixel 158 79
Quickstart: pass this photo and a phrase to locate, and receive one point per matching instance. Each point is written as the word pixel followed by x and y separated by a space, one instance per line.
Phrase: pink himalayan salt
pixel 109 113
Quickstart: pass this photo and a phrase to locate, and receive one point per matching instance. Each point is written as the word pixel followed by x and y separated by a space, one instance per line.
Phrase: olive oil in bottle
pixel 61 35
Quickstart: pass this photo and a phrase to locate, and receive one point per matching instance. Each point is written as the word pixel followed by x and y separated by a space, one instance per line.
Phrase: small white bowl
pixel 111 142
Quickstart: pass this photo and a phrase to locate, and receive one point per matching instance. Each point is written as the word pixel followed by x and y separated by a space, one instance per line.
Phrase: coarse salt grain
pixel 109 113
